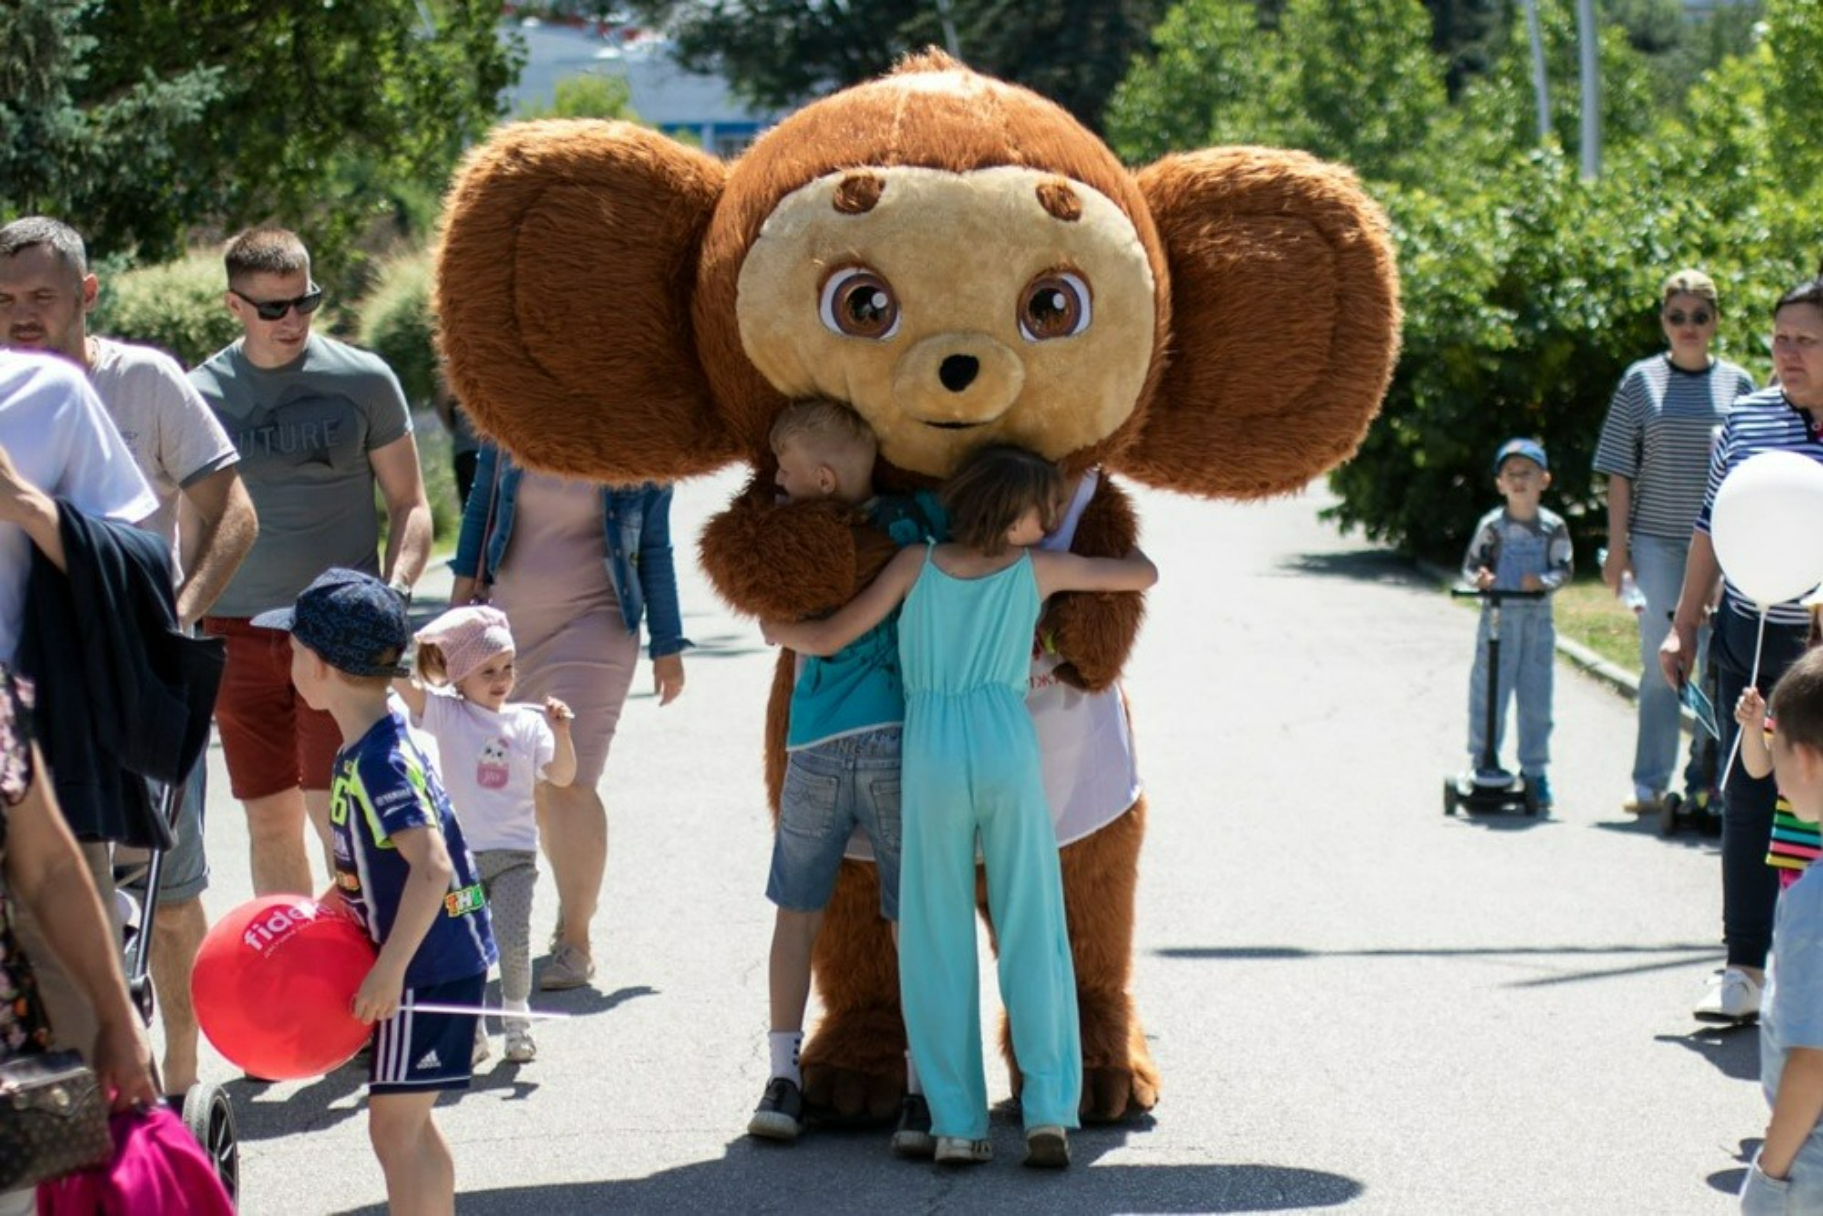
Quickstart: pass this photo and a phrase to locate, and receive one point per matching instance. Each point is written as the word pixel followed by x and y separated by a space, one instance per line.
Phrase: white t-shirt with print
pixel 490 764
pixel 165 423
pixel 58 437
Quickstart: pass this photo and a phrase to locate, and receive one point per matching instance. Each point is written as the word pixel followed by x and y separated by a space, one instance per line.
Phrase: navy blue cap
pixel 353 620
pixel 1531 449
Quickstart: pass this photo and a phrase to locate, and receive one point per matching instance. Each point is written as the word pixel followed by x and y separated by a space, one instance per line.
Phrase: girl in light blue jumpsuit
pixel 971 768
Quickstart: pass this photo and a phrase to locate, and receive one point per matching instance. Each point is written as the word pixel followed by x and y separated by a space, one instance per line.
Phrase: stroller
pixel 206 1112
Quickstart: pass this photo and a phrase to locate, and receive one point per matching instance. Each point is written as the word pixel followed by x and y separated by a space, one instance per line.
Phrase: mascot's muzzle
pixel 958 380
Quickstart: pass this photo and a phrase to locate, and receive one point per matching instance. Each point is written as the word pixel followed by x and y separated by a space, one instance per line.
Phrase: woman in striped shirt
pixel 1787 417
pixel 1654 450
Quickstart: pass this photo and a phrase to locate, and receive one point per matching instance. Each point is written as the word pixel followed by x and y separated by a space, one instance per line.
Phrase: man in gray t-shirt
pixel 318 425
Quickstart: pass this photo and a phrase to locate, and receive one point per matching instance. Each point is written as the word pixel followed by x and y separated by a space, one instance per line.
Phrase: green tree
pixel 65 145
pixel 329 117
pixel 780 53
pixel 1357 83
pixel 586 96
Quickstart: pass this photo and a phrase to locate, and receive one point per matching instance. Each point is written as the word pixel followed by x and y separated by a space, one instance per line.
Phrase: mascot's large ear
pixel 564 280
pixel 1285 322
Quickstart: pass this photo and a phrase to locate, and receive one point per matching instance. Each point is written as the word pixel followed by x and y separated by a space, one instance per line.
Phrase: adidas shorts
pixel 415 1052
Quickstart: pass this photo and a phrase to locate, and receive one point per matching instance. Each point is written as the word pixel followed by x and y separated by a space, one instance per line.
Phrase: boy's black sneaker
pixel 780 1114
pixel 912 1138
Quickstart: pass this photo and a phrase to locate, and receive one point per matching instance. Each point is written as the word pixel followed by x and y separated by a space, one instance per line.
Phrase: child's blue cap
pixel 355 621
pixel 1531 449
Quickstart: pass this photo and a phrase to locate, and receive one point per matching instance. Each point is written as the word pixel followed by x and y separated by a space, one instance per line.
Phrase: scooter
pixel 1490 789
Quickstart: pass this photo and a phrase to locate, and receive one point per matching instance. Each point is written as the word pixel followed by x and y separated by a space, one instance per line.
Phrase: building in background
pixel 677 102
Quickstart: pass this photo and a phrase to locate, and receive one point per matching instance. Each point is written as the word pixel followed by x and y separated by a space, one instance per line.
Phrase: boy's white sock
pixel 784 1045
pixel 515 1006
pixel 912 1084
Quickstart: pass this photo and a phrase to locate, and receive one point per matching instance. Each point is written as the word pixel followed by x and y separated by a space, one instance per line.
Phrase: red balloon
pixel 274 984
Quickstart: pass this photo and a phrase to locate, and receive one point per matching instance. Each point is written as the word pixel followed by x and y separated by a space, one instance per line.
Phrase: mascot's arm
pixel 1093 632
pixel 788 561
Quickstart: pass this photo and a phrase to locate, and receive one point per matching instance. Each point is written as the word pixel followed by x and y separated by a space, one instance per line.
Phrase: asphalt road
pixel 1355 1002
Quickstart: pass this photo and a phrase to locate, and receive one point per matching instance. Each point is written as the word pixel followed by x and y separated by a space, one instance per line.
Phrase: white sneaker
pixel 1733 996
pixel 959 1150
pixel 520 1049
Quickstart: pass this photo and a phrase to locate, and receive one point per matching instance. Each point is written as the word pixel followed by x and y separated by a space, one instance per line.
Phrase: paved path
pixel 1355 1001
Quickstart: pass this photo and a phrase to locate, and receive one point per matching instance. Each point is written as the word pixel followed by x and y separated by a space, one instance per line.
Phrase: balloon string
pixel 1753 681
pixel 536 1015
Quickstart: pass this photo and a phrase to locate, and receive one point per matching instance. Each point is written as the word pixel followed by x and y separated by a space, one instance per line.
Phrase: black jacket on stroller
pixel 122 693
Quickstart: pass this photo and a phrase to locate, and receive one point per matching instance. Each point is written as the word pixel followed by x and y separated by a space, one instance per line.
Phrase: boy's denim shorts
pixel 830 789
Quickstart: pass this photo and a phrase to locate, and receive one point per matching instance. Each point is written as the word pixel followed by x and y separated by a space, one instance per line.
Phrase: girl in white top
pixel 493 755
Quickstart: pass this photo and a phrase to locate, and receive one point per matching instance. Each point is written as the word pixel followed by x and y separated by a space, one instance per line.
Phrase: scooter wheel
pixel 1531 801
pixel 1452 797
pixel 1669 815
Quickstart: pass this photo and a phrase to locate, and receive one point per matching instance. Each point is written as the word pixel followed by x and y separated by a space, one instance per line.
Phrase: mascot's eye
pixel 857 303
pixel 1055 305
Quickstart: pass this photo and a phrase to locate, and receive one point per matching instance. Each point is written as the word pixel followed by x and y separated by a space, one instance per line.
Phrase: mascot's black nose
pixel 958 372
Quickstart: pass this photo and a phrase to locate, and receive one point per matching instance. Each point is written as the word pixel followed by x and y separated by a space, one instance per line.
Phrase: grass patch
pixel 1587 612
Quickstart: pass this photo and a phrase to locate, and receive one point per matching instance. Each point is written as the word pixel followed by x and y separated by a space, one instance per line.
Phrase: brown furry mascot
pixel 961 262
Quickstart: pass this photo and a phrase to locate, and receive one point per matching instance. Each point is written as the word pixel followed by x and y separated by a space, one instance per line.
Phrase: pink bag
pixel 158 1170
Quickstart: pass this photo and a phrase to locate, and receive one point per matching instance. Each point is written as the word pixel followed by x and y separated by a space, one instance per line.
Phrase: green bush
pixel 395 323
pixel 176 306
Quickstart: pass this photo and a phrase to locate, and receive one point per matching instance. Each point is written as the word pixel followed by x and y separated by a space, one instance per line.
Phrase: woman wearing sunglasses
pixel 1654 450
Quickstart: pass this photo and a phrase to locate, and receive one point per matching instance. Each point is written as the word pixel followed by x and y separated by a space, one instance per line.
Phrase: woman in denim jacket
pixel 575 565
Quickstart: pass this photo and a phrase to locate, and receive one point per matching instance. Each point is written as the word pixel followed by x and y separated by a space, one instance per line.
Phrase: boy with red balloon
pixel 405 873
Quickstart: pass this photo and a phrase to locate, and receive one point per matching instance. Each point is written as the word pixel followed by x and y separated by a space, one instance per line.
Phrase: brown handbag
pixel 53 1119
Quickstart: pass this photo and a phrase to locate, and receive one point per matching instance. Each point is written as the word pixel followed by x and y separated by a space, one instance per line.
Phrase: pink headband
pixel 468 637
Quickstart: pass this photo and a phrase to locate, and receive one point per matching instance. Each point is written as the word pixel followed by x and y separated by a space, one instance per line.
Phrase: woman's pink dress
pixel 555 586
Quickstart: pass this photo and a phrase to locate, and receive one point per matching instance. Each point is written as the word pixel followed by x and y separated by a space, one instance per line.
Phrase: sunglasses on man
pixel 1699 317
pixel 275 310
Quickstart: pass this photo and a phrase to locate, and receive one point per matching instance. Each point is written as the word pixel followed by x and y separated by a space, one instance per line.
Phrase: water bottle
pixel 1630 594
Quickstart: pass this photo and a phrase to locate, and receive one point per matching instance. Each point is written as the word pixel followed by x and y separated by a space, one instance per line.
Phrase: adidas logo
pixel 428 1062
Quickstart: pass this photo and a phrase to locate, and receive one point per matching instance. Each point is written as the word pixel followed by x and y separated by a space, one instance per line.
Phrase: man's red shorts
pixel 272 741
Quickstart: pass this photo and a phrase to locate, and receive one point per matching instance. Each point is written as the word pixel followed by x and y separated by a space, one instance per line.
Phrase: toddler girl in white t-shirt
pixel 492 757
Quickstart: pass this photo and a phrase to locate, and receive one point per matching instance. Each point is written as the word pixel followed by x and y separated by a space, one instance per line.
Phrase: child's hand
pixel 1484 578
pixel 1750 710
pixel 378 997
pixel 557 714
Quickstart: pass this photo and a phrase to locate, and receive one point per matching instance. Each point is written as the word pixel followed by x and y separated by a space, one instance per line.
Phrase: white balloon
pixel 1767 526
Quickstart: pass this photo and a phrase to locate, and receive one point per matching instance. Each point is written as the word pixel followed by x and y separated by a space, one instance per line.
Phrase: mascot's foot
pixel 1110 1095
pixel 847 1097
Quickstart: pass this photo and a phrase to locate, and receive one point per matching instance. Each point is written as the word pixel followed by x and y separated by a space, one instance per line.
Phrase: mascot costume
pixel 961 262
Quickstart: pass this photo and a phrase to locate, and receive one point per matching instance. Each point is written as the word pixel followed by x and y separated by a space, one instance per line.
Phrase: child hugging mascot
pixel 961 262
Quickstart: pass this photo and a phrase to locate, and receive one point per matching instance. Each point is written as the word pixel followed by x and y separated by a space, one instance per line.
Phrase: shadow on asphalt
pixel 1360 566
pixel 1675 956
pixel 846 1171
pixel 1734 1050
pixel 1729 1181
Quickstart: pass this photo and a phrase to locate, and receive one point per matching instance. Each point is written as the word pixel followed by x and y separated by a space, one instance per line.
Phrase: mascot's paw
pixel 854 1068
pixel 1112 1094
pixel 1119 1079
pixel 851 1097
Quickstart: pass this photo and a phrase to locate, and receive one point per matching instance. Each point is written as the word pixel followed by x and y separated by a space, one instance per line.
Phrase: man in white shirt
pixel 56 442
pixel 46 292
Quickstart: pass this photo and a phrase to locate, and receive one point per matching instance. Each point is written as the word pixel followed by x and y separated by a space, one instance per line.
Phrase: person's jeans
pixel 1658 568
pixel 1750 887
pixel 1528 647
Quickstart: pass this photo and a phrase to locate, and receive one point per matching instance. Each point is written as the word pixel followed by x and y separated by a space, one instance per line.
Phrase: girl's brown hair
pixel 429 664
pixel 993 488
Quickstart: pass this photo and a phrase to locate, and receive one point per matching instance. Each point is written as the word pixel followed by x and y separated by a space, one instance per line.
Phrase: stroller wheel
pixel 210 1117
pixel 1668 815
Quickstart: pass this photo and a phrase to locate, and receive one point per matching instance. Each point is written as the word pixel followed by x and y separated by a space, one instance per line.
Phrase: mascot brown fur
pixel 961 262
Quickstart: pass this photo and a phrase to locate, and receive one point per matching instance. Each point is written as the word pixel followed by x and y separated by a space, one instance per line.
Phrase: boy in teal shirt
pixel 842 759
